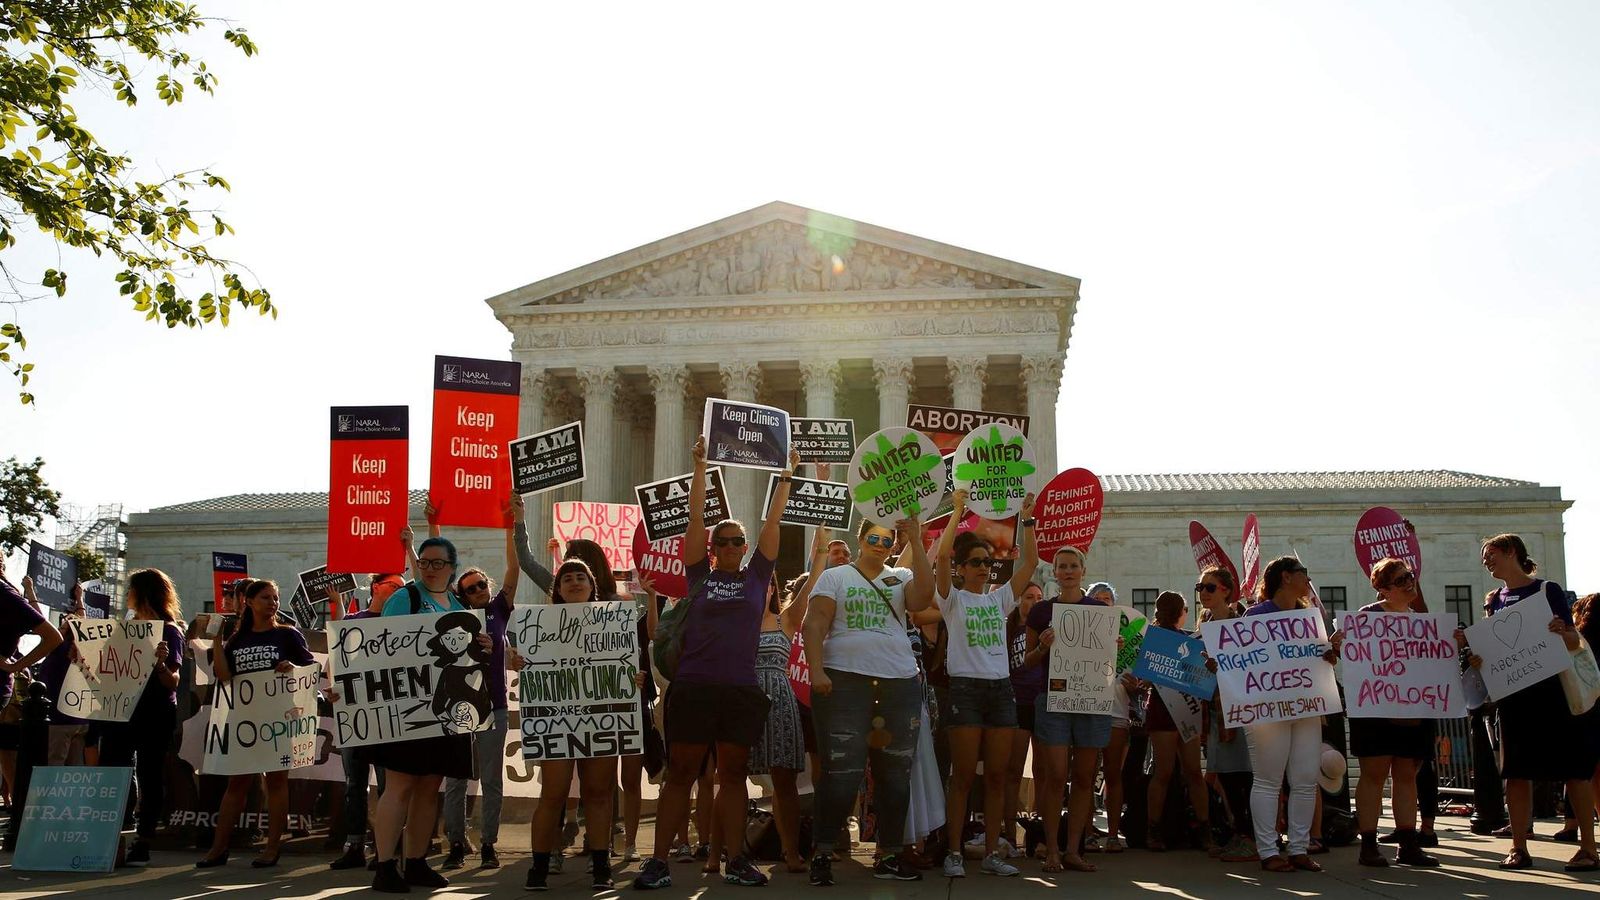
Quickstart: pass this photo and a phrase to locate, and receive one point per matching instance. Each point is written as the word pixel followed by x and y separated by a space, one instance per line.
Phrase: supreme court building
pixel 828 317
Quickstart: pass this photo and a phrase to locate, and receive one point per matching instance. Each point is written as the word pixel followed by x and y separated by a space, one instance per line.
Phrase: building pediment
pixel 784 250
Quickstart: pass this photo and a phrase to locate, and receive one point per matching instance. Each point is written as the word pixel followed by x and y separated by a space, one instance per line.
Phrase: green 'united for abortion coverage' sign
pixel 73 819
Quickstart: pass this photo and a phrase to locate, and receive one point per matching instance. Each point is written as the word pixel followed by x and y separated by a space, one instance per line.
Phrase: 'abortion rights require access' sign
pixel 1270 667
pixel 368 492
pixel 400 678
pixel 263 722
pixel 579 695
pixel 1400 665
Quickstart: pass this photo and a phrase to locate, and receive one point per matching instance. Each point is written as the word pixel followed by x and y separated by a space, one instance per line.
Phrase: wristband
pixel 1029 523
pixel 785 479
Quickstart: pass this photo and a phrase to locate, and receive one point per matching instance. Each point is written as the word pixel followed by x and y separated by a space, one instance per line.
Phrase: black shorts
pixel 449 755
pixel 1407 739
pixel 711 713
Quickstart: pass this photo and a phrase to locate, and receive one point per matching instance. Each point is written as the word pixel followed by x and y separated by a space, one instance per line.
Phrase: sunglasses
pixel 433 565
pixel 475 587
pixel 737 541
pixel 878 540
pixel 979 561
pixel 1403 581
pixel 1207 588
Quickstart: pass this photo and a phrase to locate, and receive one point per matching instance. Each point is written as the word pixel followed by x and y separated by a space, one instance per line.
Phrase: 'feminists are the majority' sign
pixel 1270 667
pixel 474 421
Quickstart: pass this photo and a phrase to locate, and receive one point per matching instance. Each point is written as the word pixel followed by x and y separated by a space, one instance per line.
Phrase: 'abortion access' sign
pixel 1517 648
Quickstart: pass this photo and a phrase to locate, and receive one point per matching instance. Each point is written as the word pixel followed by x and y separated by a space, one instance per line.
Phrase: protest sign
pixel 664 505
pixel 72 820
pixel 662 562
pixel 304 613
pixel 548 460
pixel 474 420
pixel 1000 534
pixel 996 466
pixel 1382 532
pixel 579 697
pixel 226 568
pixel 263 722
pixel 811 502
pixel 1132 636
pixel 1187 712
pixel 315 583
pixel 1174 659
pixel 1400 665
pixel 1251 556
pixel 96 605
pixel 114 660
pixel 1083 658
pixel 1068 510
pixel 400 678
pixel 746 435
pixel 1518 649
pixel 53 576
pixel 823 440
pixel 1270 667
pixel 611 525
pixel 800 670
pixel 369 500
pixel 945 426
pixel 1207 552
pixel 896 474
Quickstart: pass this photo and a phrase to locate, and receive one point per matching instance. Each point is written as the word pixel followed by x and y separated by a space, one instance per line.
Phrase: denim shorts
pixel 989 703
pixel 1083 730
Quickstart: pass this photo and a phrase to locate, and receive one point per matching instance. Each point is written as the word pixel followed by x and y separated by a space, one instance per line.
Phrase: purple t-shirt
pixel 53 672
pixel 498 616
pixel 155 695
pixel 724 626
pixel 1028 684
pixel 1266 606
pixel 258 651
pixel 17 618
pixel 1553 595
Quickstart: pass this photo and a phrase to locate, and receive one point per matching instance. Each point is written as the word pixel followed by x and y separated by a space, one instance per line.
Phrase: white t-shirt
pixel 977 627
pixel 866 638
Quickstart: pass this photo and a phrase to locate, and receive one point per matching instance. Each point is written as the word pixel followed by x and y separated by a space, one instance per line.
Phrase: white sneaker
pixel 1010 850
pixel 995 864
pixel 954 866
pixel 975 847
pixel 630 854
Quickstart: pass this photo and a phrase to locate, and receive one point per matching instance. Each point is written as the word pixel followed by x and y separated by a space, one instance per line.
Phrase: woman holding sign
pixel 1291 749
pixel 1227 751
pixel 982 707
pixel 1540 740
pixel 1169 748
pixel 17 619
pixel 258 644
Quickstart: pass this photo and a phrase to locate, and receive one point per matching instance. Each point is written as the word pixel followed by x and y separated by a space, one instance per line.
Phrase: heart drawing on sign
pixel 1507 628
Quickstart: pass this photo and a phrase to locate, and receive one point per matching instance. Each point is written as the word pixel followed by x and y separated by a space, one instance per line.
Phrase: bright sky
pixel 1311 237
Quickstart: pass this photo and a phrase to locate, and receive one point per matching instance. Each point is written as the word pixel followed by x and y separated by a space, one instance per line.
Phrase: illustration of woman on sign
pixel 462 702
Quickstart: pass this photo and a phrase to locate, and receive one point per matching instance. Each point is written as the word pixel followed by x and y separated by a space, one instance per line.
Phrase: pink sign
pixel 1069 510
pixel 800 670
pixel 1208 553
pixel 1383 532
pixel 611 525
pixel 1252 555
pixel 662 561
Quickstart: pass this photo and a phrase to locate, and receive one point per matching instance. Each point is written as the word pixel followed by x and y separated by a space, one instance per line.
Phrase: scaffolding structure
pixel 101 531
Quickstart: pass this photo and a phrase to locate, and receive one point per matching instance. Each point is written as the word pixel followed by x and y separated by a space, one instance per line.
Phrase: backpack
pixel 670 626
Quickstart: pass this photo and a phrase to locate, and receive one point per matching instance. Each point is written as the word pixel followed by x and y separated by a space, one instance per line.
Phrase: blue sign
pixel 1174 659
pixel 745 434
pixel 73 819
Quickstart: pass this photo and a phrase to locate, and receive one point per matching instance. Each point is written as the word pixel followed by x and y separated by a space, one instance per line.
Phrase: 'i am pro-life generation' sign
pixel 548 460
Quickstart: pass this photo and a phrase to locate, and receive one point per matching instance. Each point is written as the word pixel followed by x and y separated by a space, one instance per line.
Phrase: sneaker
pixel 1240 849
pixel 702 852
pixel 457 857
pixel 386 878
pixel 630 854
pixel 1429 838
pixel 995 864
pixel 954 866
pixel 975 848
pixel 683 853
pixel 653 874
pixel 891 868
pixel 1010 849
pixel 600 867
pixel 821 870
pixel 536 880
pixel 491 859
pixel 138 854
pixel 419 873
pixel 354 858
pixel 739 871
pixel 556 862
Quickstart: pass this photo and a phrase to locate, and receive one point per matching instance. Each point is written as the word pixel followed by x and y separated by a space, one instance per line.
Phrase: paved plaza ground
pixel 1468 871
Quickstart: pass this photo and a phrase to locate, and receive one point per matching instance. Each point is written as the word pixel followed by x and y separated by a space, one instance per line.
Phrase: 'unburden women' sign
pixel 1400 665
pixel 579 696
pixel 1270 667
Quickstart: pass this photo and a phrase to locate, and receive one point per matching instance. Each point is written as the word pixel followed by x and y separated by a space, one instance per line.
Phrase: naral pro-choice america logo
pixel 472 374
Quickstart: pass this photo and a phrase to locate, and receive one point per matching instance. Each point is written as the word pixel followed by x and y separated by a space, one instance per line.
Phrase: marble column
pixel 599 386
pixel 742 379
pixel 894 376
pixel 967 377
pixel 694 412
pixel 1041 380
pixel 531 419
pixel 626 410
pixel 669 383
pixel 820 380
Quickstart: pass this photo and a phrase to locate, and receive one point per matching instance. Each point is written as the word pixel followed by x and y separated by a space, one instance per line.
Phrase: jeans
pixel 1277 749
pixel 844 725
pixel 147 736
pixel 356 772
pixel 66 744
pixel 490 746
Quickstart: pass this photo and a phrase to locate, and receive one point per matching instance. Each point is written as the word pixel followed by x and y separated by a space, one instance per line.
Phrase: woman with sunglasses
pixel 866 696
pixel 1227 751
pixel 715 699
pixel 1396 746
pixel 1291 749
pixel 982 708
pixel 477 591
pixel 259 643
pixel 1540 740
